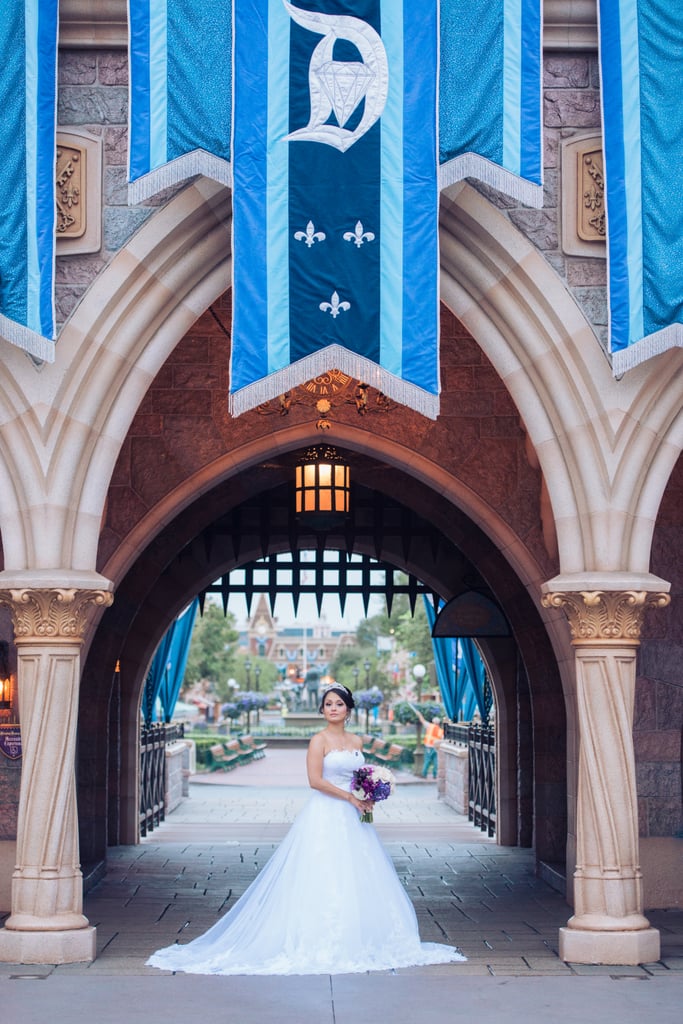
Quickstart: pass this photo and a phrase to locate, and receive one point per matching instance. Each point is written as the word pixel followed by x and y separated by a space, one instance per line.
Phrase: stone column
pixel 608 926
pixel 46 924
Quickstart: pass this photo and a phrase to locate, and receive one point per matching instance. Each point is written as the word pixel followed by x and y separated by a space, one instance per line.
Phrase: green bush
pixel 202 743
pixel 404 713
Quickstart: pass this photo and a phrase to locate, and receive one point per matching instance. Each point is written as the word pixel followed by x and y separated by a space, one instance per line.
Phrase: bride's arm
pixel 314 767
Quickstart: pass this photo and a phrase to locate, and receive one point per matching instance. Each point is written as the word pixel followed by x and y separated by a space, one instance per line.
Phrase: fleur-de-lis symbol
pixel 358 235
pixel 310 235
pixel 334 306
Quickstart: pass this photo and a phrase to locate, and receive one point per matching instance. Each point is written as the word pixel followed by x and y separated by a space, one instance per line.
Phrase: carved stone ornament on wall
pixel 55 614
pixel 330 390
pixel 583 197
pixel 591 195
pixel 605 617
pixel 71 174
pixel 78 192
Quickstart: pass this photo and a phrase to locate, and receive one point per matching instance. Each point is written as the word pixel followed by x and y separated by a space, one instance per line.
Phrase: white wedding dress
pixel 328 901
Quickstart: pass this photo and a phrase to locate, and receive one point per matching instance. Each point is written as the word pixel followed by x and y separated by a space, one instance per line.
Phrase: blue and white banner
pixel 336 122
pixel 641 43
pixel 490 107
pixel 335 203
pixel 28 91
pixel 180 100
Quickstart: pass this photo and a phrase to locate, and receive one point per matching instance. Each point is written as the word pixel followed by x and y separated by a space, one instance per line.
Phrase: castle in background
pixel 294 650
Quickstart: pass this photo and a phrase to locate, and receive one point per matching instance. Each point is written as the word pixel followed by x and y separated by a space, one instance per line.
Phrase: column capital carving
pixel 605 616
pixel 53 613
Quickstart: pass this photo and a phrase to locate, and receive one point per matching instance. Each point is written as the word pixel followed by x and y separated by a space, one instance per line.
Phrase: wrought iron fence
pixel 457 732
pixel 153 740
pixel 482 778
pixel 481 743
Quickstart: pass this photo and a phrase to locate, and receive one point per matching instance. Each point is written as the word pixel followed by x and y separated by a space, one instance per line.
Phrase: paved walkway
pixel 466 891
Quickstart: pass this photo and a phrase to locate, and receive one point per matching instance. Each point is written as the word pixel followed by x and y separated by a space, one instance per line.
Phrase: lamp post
pixel 257 677
pixel 367 667
pixel 419 673
pixel 247 669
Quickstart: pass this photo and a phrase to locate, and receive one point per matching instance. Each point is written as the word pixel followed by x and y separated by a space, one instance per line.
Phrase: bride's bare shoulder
pixel 317 741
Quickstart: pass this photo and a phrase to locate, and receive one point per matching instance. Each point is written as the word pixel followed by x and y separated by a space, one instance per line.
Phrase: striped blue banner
pixel 335 205
pixel 180 72
pixel 641 42
pixel 490 113
pixel 28 90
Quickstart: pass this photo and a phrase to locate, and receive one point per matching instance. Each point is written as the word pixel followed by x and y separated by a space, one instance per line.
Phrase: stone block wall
pixel 658 720
pixel 571 106
pixel 176 774
pixel 454 776
pixel 93 95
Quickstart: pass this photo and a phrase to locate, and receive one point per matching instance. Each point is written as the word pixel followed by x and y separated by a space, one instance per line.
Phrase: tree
pixel 410 632
pixel 404 712
pixel 212 650
pixel 260 669
pixel 413 634
pixel 349 658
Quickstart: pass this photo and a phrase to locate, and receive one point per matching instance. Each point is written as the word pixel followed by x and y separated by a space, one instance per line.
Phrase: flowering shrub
pixel 230 710
pixel 248 701
pixel 368 699
pixel 405 713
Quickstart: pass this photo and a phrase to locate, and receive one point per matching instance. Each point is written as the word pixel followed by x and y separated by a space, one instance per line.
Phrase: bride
pixel 329 900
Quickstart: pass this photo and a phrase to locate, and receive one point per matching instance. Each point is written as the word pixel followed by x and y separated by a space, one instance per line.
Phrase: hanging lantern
pixel 322 487
pixel 5 678
pixel 6 693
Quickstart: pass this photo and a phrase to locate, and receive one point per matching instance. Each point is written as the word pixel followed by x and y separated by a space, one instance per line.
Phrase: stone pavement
pixel 466 890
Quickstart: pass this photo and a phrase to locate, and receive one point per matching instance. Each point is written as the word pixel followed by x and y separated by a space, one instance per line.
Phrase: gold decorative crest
pixel 71 190
pixel 590 225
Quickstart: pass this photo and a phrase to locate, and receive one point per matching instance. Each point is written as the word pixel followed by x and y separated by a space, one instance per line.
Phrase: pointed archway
pixel 251 514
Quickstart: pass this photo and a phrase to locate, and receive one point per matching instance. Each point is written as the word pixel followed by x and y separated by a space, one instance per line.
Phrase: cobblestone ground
pixel 466 890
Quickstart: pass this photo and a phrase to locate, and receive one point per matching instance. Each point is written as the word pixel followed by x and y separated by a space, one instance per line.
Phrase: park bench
pixel 221 759
pixel 391 757
pixel 250 745
pixel 243 755
pixel 367 741
pixel 376 748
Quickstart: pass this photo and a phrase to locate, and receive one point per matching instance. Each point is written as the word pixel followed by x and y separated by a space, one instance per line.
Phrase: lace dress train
pixel 328 901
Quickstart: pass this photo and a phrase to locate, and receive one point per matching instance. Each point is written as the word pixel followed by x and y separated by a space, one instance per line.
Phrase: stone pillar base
pixel 67 947
pixel 580 946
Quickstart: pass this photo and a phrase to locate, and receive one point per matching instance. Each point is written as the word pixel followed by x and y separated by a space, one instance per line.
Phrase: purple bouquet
pixel 372 782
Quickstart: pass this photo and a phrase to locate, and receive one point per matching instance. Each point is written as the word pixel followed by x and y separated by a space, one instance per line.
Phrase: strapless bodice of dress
pixel 339 766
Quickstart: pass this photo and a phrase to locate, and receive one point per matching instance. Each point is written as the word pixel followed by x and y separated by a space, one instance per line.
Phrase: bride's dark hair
pixel 341 691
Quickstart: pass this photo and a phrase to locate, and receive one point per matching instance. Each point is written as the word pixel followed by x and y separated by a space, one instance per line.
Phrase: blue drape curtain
pixel 460 672
pixel 444 659
pixel 474 676
pixel 165 676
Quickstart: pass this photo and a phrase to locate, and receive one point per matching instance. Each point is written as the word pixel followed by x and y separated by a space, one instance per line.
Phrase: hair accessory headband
pixel 335 686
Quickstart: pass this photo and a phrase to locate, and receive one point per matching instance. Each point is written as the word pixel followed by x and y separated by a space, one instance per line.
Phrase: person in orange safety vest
pixel 431 740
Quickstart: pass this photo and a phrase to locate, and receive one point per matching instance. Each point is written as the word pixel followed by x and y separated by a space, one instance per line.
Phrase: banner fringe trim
pixel 653 345
pixel 334 357
pixel 23 337
pixel 199 161
pixel 471 165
